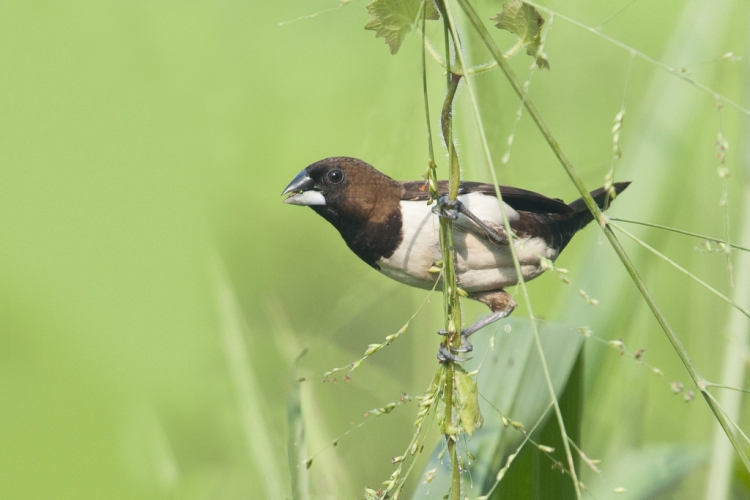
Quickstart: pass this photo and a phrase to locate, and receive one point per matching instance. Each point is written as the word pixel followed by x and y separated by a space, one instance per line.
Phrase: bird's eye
pixel 335 176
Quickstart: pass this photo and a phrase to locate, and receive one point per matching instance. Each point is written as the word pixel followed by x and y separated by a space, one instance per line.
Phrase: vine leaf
pixel 524 21
pixel 468 396
pixel 393 19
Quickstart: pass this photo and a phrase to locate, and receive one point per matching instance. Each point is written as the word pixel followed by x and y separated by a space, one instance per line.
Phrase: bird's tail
pixel 583 215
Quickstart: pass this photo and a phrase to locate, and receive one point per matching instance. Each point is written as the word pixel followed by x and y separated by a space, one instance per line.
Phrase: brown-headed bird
pixel 389 225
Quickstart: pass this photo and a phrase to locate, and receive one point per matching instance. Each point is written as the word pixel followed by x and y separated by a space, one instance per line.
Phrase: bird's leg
pixel 500 303
pixel 450 209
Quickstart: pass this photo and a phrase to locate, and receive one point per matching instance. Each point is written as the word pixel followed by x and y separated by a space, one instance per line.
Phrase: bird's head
pixel 342 188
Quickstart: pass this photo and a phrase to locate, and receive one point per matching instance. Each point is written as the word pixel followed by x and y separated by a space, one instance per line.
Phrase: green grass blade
pixel 296 443
pixel 253 421
pixel 533 476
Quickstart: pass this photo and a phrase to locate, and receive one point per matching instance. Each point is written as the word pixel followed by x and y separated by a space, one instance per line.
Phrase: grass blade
pixel 534 476
pixel 255 426
pixel 296 443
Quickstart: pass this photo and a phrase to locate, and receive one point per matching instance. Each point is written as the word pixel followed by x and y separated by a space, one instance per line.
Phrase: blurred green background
pixel 155 290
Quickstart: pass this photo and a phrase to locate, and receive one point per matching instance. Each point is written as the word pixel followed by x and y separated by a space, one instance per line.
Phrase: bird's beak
pixel 302 191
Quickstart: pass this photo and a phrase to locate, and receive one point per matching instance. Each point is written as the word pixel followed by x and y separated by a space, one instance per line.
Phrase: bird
pixel 390 226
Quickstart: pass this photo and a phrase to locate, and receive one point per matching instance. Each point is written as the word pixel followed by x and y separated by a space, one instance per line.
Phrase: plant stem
pixel 460 58
pixel 734 363
pixel 481 68
pixel 447 125
pixel 451 299
pixel 430 148
pixel 681 231
pixel 700 382
pixel 450 433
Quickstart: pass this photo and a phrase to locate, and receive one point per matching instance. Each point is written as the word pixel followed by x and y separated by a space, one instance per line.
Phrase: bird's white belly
pixel 480 264
pixel 419 249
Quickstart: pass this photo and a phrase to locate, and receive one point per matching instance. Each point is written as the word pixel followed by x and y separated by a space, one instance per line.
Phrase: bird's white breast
pixel 481 265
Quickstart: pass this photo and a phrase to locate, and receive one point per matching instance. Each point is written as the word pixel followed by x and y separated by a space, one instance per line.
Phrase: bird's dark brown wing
pixel 519 199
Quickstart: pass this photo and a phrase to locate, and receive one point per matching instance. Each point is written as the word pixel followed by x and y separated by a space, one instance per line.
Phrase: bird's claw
pixel 464 347
pixel 447 353
pixel 446 208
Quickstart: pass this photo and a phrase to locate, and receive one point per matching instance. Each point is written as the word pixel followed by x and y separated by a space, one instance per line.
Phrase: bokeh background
pixel 156 292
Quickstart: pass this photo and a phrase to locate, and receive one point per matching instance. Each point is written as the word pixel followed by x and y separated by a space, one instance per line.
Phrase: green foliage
pixel 524 21
pixel 141 141
pixel 511 381
pixel 648 472
pixel 468 401
pixel 394 19
pixel 538 473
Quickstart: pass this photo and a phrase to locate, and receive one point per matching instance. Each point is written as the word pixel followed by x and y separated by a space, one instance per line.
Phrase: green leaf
pixel 511 379
pixel 468 397
pixel 393 19
pixel 526 23
pixel 296 442
pixel 532 475
pixel 648 472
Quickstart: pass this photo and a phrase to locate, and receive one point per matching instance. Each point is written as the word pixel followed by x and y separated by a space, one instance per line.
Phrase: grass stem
pixel 485 145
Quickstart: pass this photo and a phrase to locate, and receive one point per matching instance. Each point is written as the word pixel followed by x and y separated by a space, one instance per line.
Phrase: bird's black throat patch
pixel 369 239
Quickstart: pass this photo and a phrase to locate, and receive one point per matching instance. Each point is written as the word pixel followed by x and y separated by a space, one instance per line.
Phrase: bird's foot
pixel 445 355
pixel 447 208
pixel 448 352
pixel 450 209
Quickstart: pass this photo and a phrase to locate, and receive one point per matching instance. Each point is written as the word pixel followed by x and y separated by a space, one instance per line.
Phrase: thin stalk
pixel 682 231
pixel 598 28
pixel 734 364
pixel 431 174
pixel 451 299
pixel 537 340
pixel 736 426
pixel 450 432
pixel 526 438
pixel 722 145
pixel 598 216
pixel 480 68
pixel 728 387
pixel 683 270
pixel 725 424
pixel 430 148
pixel 454 178
pixel 675 71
